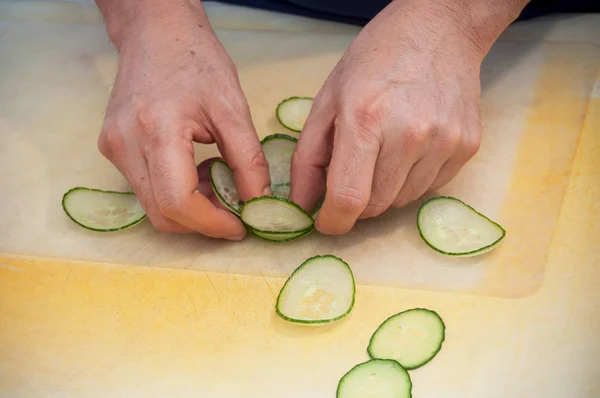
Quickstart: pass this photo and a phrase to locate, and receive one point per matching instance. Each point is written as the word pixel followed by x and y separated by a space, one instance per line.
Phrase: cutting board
pixel 55 80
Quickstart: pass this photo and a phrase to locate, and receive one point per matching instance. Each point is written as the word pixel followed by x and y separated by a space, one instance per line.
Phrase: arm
pixel 399 115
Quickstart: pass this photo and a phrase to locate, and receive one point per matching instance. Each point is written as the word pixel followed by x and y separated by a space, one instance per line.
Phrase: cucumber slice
pixel 412 337
pixel 103 211
pixel 278 150
pixel 321 290
pixel 275 215
pixel 375 378
pixel 223 184
pixel 450 226
pixel 281 236
pixel 292 112
pixel 281 190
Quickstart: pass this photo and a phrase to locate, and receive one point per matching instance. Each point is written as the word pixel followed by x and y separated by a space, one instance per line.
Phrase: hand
pixel 396 118
pixel 176 84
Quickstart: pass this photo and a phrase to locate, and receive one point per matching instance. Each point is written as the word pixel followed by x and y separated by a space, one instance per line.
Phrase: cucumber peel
pixel 412 337
pixel 320 291
pixel 280 236
pixel 375 378
pixel 101 210
pixel 223 184
pixel 452 227
pixel 292 112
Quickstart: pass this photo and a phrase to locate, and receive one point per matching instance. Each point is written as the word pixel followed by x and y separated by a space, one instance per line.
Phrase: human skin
pixel 397 117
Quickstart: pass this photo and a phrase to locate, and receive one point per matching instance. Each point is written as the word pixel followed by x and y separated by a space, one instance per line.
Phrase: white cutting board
pixel 55 80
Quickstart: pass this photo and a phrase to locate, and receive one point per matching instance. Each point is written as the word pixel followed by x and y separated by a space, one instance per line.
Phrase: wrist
pixel 459 25
pixel 125 17
pixel 483 21
pixel 478 22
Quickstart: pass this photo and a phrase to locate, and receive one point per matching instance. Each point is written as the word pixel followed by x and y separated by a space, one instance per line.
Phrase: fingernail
pixel 268 191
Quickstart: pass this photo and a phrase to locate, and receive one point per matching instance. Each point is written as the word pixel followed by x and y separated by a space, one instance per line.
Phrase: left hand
pixel 396 118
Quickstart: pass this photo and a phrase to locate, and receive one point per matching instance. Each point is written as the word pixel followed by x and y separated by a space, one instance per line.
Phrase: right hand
pixel 176 84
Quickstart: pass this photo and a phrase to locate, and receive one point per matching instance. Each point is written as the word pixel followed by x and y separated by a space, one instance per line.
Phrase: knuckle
pixel 149 127
pixel 166 226
pixel 417 132
pixel 350 199
pixel 229 108
pixel 163 226
pixel 472 146
pixel 373 210
pixel 409 193
pixel 256 158
pixel 365 122
pixel 365 115
pixel 451 139
pixel 235 105
pixel 169 206
pixel 111 142
pixel 153 134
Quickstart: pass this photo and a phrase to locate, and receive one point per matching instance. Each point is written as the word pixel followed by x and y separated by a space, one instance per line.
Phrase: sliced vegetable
pixel 278 150
pixel 281 190
pixel 103 211
pixel 292 112
pixel 223 184
pixel 376 378
pixel 450 226
pixel 321 290
pixel 412 337
pixel 275 215
pixel 281 236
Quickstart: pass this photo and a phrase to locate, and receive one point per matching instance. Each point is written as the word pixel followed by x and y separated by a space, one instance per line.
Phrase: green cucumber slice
pixel 103 211
pixel 281 190
pixel 275 215
pixel 281 237
pixel 412 337
pixel 375 378
pixel 321 290
pixel 292 112
pixel 450 226
pixel 278 150
pixel 223 184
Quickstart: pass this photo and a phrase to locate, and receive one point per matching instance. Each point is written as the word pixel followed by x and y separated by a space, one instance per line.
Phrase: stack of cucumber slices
pixel 274 218
pixel 322 290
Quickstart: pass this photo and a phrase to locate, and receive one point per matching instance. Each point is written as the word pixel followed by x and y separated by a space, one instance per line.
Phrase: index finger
pixel 239 144
pixel 349 179
pixel 175 181
pixel 312 155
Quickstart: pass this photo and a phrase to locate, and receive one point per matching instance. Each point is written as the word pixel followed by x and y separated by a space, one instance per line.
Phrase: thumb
pixel 239 144
pixel 312 155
